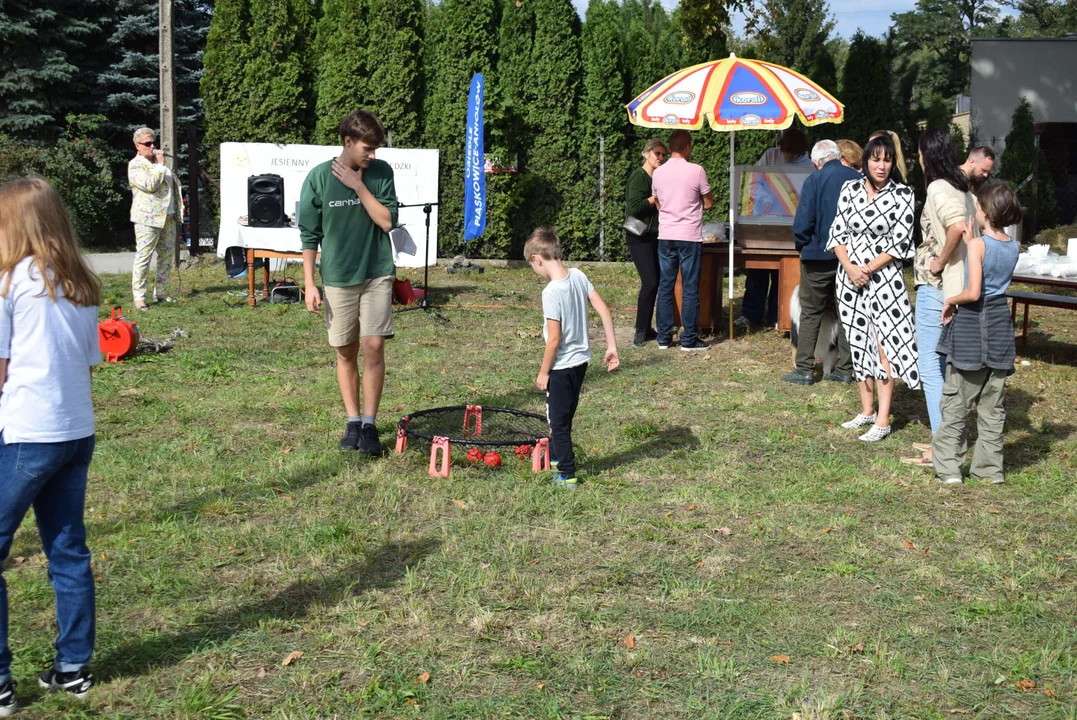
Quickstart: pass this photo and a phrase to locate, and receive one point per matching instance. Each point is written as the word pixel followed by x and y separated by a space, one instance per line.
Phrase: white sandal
pixel 875 434
pixel 859 421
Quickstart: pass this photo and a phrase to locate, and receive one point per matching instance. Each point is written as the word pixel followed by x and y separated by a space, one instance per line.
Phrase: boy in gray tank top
pixel 977 342
pixel 568 349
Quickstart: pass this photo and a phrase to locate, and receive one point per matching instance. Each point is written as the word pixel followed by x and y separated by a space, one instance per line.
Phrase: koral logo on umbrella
pixel 748 98
pixel 671 119
pixel 680 98
pixel 749 120
pixel 805 94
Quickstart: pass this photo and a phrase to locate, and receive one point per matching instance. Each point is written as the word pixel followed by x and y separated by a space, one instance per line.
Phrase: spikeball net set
pixel 481 429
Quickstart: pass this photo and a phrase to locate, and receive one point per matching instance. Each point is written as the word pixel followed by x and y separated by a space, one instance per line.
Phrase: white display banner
pixel 415 174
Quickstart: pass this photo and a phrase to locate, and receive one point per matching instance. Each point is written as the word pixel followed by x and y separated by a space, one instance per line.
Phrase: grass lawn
pixel 733 552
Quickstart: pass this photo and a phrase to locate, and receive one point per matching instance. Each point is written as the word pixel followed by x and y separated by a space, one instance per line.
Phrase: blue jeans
pixel 52 478
pixel 931 365
pixel 688 257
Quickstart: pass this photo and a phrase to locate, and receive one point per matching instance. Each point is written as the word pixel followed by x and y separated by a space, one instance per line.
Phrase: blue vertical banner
pixel 474 164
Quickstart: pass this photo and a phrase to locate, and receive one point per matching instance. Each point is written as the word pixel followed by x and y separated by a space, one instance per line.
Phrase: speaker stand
pixel 424 303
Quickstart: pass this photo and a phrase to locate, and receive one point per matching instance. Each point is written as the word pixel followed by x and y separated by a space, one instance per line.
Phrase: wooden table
pixel 254 254
pixel 1046 280
pixel 714 269
pixel 1027 299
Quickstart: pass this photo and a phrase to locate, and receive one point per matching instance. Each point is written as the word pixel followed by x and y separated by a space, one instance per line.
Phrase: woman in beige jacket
pixel 156 211
pixel 939 267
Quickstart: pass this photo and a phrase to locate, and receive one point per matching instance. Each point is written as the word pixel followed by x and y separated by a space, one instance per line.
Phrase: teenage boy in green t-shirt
pixel 348 206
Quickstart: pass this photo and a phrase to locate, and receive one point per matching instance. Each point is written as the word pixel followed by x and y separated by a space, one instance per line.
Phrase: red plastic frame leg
pixel 473 411
pixel 540 456
pixel 442 444
pixel 401 439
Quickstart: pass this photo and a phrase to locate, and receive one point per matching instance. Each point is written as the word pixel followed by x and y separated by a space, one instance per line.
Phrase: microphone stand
pixel 423 304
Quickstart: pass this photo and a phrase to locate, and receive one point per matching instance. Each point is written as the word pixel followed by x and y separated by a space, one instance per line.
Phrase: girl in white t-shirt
pixel 48 342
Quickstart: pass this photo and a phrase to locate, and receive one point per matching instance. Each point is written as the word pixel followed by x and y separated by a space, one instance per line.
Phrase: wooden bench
pixel 1043 300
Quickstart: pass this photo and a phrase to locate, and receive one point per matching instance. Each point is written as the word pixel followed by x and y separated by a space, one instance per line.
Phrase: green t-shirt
pixel 354 248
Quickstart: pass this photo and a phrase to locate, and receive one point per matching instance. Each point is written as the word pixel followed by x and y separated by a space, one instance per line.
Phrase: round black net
pixel 474 425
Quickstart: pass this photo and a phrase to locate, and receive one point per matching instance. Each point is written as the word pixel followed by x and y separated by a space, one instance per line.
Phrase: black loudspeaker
pixel 265 201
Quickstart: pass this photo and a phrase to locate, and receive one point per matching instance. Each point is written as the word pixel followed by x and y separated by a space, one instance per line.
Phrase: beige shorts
pixel 357 311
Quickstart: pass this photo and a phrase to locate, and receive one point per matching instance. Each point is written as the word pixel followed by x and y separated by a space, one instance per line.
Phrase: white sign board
pixel 415 173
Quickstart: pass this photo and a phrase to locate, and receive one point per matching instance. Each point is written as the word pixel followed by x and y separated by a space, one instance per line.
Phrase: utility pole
pixel 166 64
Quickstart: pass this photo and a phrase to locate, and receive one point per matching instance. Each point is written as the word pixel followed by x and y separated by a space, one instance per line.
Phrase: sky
pixel 873 16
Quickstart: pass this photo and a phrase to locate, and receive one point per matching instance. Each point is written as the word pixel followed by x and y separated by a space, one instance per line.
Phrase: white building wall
pixel 1042 70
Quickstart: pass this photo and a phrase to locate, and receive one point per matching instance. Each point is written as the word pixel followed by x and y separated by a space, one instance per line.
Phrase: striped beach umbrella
pixel 734 94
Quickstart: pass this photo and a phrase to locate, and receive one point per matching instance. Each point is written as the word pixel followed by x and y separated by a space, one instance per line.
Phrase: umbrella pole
pixel 732 218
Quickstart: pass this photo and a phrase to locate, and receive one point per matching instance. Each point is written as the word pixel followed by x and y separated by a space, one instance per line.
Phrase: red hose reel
pixel 118 336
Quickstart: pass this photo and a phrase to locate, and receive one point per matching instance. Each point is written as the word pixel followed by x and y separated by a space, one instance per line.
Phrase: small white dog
pixel 826 346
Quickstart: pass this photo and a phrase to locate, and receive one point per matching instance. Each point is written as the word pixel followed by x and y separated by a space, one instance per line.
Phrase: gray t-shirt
pixel 565 300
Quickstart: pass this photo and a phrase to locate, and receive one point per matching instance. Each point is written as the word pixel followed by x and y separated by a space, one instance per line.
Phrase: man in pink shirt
pixel 682 193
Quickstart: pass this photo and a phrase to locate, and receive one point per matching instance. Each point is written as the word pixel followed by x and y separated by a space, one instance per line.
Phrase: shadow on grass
pixel 297 478
pixel 653 443
pixel 1036 442
pixel 382 568
pixel 1046 351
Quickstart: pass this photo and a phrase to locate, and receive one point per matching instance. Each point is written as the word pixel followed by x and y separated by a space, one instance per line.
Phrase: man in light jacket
pixel 819 268
pixel 156 211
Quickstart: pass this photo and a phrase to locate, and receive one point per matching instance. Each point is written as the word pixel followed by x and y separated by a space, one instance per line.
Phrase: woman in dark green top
pixel 641 204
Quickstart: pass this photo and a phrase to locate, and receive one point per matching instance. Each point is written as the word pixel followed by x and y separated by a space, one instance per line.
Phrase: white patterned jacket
pixel 152 190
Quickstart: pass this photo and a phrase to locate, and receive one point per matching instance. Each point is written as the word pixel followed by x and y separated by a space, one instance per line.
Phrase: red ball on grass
pixel 493 459
pixel 475 455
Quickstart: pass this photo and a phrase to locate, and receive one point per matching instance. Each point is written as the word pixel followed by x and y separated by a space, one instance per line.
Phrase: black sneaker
pixel 8 703
pixel 644 336
pixel 839 377
pixel 350 441
pixel 77 683
pixel 799 377
pixel 696 346
pixel 369 444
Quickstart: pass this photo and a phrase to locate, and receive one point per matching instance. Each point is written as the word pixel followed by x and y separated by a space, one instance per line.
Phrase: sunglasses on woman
pixel 146 144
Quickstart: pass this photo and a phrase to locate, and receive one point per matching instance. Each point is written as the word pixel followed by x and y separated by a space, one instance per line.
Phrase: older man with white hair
pixel 156 211
pixel 819 268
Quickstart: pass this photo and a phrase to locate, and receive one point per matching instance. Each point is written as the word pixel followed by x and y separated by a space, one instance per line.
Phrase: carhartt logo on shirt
pixel 343 203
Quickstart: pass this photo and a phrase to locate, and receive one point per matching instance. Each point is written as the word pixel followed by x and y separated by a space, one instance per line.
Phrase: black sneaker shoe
pixel 799 377
pixel 350 441
pixel 839 377
pixel 697 346
pixel 8 702
pixel 644 336
pixel 77 683
pixel 369 444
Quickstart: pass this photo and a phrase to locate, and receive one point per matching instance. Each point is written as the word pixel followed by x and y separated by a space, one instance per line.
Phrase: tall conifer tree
pixel 279 79
pixel 226 104
pixel 39 43
pixel 602 115
pixel 553 112
pixel 508 221
pixel 464 43
pixel 131 84
pixel 395 46
pixel 866 89
pixel 343 65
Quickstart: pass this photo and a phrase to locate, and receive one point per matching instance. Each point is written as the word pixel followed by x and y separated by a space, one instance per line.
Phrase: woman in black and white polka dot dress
pixel 871 235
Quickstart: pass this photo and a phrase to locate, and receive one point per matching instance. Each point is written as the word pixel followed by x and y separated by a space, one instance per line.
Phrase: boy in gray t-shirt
pixel 568 349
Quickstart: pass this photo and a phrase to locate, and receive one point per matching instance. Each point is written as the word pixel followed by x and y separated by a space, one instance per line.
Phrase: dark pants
pixel 760 295
pixel 644 252
pixel 688 258
pixel 562 397
pixel 51 477
pixel 818 281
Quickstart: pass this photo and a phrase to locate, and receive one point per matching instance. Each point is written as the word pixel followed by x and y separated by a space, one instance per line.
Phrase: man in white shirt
pixel 156 211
